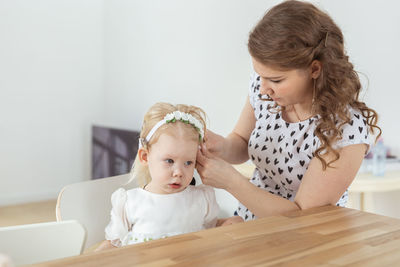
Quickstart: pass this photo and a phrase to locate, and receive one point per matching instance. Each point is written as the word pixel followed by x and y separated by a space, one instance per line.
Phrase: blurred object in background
pixel 379 158
pixel 113 151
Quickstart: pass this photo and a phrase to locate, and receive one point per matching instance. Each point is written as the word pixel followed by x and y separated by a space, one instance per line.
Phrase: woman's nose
pixel 265 89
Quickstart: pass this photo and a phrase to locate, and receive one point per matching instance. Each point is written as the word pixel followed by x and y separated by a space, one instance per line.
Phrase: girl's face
pixel 171 163
pixel 285 87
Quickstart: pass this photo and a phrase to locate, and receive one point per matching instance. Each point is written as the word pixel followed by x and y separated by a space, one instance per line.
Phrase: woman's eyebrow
pixel 273 77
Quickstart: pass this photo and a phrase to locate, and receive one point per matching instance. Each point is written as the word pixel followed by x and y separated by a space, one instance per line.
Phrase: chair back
pixel 33 243
pixel 89 203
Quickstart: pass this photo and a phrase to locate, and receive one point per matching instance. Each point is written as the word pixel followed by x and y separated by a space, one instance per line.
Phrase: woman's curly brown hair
pixel 292 35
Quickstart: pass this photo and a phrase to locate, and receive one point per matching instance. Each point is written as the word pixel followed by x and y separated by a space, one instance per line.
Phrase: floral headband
pixel 173 117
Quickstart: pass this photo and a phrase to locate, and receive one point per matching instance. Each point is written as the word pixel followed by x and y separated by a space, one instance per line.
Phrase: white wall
pixel 51 89
pixel 177 51
pixel 195 52
pixel 59 55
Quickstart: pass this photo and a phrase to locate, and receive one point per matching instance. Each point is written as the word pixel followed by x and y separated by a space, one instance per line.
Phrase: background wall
pixel 51 90
pixel 67 64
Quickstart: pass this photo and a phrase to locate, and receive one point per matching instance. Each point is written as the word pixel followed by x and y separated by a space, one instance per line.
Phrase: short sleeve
pixel 211 216
pixel 118 227
pixel 254 88
pixel 355 132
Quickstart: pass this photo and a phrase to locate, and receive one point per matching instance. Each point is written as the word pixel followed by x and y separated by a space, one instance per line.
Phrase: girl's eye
pixel 188 163
pixel 169 161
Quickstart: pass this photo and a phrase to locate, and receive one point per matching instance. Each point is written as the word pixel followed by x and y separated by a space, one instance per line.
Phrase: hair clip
pixel 326 38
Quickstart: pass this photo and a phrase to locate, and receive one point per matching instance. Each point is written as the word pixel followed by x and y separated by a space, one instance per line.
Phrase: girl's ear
pixel 143 156
pixel 315 68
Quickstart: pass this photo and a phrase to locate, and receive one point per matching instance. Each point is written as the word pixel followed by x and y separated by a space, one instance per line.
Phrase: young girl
pixel 303 124
pixel 165 204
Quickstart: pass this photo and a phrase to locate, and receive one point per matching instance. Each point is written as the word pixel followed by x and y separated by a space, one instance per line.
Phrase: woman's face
pixel 285 87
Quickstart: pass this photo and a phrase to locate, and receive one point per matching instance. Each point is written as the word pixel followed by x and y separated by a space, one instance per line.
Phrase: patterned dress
pixel 282 151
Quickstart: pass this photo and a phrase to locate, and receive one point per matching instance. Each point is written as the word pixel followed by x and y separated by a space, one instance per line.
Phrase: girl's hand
pixel 214 143
pixel 214 171
pixel 106 244
pixel 230 220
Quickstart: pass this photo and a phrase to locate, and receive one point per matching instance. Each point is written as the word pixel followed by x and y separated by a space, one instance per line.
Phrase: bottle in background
pixel 379 158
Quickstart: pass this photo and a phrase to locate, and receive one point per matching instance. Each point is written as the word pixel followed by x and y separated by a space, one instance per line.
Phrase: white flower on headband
pixel 178 115
pixel 192 120
pixel 169 117
pixel 173 117
pixel 185 118
pixel 198 125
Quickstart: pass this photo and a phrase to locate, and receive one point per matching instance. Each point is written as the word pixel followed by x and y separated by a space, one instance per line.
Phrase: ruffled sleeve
pixel 355 132
pixel 211 217
pixel 119 226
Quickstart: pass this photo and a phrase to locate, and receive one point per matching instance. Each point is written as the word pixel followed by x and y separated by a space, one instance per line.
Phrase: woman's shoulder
pixel 355 131
pixel 356 121
pixel 356 113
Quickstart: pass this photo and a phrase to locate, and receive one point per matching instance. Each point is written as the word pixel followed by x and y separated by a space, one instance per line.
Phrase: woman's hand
pixel 214 171
pixel 214 143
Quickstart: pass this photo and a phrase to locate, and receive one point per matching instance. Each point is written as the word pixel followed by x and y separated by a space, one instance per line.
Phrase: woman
pixel 303 125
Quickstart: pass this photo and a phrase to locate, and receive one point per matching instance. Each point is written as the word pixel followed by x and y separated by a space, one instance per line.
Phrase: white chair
pixel 89 203
pixel 33 243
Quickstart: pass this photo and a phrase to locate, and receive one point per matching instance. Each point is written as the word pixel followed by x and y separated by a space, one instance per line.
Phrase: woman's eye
pixel 188 163
pixel 169 161
pixel 276 81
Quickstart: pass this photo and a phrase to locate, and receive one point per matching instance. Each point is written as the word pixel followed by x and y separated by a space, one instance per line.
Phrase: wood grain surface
pixel 324 236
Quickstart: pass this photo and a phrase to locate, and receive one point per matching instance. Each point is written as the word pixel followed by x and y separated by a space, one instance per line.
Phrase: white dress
pixel 282 151
pixel 138 215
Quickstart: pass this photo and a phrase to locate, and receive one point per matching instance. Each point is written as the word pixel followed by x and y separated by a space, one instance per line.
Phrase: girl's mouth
pixel 175 185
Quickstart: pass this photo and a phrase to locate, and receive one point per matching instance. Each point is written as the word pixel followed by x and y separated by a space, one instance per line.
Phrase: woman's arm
pixel 233 148
pixel 217 173
pixel 318 188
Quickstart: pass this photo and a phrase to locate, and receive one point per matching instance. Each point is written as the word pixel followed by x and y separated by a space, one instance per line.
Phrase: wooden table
pixel 328 236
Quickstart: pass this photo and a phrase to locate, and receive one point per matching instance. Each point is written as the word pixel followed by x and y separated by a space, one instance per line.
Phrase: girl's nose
pixel 178 172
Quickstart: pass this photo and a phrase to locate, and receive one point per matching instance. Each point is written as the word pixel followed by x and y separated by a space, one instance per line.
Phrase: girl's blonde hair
pixel 155 114
pixel 292 35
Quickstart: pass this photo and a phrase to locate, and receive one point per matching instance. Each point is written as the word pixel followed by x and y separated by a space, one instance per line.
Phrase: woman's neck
pixel 299 112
